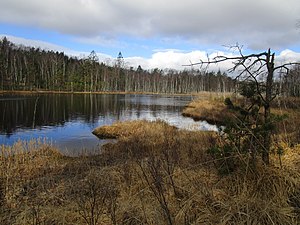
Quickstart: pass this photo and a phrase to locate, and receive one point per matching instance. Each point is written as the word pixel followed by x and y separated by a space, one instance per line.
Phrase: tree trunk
pixel 267 107
pixel 267 137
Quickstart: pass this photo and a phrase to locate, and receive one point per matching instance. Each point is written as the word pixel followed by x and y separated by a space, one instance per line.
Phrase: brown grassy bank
pixel 154 175
pixel 214 111
pixel 209 107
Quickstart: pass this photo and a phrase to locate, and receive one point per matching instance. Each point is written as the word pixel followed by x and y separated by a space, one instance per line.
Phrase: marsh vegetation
pixel 154 174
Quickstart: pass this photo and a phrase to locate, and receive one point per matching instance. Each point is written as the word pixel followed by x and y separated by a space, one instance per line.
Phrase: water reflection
pixel 34 111
pixel 68 119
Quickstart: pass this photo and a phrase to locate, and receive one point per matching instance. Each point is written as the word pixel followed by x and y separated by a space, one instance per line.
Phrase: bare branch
pixel 286 65
pixel 252 67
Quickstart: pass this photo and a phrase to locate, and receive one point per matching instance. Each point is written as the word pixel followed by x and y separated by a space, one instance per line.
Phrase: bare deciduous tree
pixel 261 69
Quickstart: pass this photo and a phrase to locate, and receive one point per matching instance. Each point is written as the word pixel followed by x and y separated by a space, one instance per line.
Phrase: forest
pixel 28 68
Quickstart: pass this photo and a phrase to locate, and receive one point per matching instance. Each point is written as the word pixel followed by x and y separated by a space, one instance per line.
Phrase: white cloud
pixel 51 47
pixel 257 23
pixel 287 56
pixel 176 59
pixel 34 43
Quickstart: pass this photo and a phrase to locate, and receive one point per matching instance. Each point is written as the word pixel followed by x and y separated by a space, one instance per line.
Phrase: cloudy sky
pixel 154 33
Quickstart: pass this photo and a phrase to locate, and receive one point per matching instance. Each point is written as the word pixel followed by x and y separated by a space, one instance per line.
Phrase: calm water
pixel 67 120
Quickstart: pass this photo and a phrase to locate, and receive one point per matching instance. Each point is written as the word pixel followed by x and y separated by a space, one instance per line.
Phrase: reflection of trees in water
pixel 32 111
pixel 53 110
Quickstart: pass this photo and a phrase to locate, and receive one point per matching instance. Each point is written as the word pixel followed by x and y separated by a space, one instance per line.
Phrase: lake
pixel 67 120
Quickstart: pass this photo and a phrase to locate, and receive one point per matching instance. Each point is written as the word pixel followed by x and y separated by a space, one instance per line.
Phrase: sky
pixel 155 33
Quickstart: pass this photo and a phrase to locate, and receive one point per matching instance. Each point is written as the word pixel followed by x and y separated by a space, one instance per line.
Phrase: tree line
pixel 28 68
pixel 290 84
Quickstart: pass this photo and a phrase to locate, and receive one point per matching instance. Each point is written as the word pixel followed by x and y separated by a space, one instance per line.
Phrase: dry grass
pixel 212 111
pixel 129 128
pixel 139 139
pixel 26 172
pixel 153 174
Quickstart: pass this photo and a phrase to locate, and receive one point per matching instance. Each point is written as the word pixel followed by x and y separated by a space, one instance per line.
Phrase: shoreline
pixel 83 92
pixel 203 93
pixel 148 160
